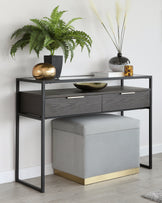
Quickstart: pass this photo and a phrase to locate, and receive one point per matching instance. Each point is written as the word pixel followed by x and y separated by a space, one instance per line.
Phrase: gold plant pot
pixel 44 71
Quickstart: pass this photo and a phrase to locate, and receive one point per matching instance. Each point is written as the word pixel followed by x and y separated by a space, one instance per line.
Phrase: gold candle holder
pixel 128 70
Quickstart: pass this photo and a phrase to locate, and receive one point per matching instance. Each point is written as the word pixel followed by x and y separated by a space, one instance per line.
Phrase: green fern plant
pixel 51 33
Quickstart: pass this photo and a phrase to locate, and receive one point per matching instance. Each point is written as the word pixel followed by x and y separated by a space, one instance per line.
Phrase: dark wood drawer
pixel 72 105
pixel 126 100
pixel 58 104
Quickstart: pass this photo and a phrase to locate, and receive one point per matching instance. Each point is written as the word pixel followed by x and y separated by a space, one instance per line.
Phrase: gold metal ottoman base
pixel 96 179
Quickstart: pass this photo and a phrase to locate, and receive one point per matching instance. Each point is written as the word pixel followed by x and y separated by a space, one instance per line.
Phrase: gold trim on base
pixel 96 179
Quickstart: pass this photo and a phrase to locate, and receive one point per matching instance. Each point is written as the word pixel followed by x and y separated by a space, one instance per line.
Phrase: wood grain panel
pixel 118 101
pixel 30 104
pixel 108 99
pixel 63 106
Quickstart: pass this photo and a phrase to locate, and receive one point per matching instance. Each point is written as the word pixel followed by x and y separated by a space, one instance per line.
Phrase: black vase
pixel 56 61
pixel 117 63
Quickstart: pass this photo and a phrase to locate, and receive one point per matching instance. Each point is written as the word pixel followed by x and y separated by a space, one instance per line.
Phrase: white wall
pixel 143 46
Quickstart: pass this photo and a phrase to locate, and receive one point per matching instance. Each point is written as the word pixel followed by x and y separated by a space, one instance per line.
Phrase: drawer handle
pixel 126 93
pixel 76 97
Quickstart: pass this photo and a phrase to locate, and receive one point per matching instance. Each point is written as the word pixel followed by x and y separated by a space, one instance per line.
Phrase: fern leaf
pixel 56 15
pixel 38 23
pixel 53 46
pixel 24 29
pixel 59 15
pixel 48 41
pixel 49 27
pixel 65 49
pixel 71 21
pixel 62 25
pixel 40 43
pixel 54 12
pixel 44 26
pixel 33 39
pixel 26 39
pixel 36 42
pixel 19 44
pixel 71 45
pixel 88 48
pixel 82 35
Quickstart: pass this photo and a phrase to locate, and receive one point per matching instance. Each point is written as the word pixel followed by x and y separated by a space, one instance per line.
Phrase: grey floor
pixel 123 190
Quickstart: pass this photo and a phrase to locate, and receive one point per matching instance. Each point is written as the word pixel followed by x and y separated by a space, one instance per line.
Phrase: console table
pixel 48 104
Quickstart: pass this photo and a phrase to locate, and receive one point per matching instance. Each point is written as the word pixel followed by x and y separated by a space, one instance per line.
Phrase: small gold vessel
pixel 44 71
pixel 90 86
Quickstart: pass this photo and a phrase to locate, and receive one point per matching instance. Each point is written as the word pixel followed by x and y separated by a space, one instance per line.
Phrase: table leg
pixel 43 140
pixel 17 132
pixel 17 179
pixel 150 129
pixel 122 85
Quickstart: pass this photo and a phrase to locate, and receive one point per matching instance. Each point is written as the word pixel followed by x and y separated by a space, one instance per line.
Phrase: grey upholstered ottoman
pixel 94 148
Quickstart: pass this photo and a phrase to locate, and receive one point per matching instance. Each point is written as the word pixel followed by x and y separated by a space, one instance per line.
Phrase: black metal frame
pixel 150 128
pixel 42 119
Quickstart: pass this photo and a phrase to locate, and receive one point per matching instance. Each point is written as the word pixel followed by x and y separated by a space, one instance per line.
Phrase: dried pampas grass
pixel 120 19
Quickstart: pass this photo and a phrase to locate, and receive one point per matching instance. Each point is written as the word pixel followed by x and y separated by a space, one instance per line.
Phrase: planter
pixel 117 63
pixel 56 61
